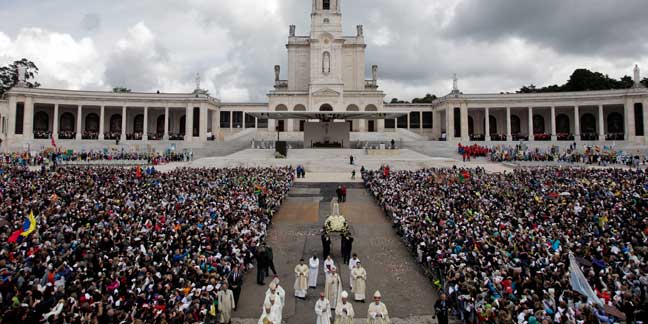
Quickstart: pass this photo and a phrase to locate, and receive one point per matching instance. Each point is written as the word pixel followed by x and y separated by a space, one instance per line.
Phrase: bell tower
pixel 326 17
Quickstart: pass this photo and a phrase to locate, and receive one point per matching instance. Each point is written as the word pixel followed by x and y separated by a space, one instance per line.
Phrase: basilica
pixel 325 75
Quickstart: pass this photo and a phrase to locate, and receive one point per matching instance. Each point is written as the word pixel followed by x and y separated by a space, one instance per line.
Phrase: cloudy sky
pixel 493 45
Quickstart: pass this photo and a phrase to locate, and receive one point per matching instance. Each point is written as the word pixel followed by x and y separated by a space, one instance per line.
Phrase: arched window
pixel 183 125
pixel 371 108
pixel 326 4
pixel 353 108
pixel 115 123
pixel 92 123
pixel 41 121
pixel 588 124
pixel 326 63
pixel 138 124
pixel 492 124
pixel 326 107
pixel 615 123
pixel 515 124
pixel 281 108
pixel 67 122
pixel 538 124
pixel 159 129
pixel 562 124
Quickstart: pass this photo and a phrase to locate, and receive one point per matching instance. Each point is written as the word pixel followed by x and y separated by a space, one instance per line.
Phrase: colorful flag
pixel 15 236
pixel 52 137
pixel 138 172
pixel 29 226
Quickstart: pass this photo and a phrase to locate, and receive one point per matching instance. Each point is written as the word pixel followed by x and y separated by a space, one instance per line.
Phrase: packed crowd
pixel 593 155
pixel 49 156
pixel 116 245
pixel 501 242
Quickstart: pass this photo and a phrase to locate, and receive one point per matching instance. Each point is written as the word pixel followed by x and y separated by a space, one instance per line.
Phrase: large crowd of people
pixel 118 245
pixel 588 154
pixel 502 242
pixel 51 156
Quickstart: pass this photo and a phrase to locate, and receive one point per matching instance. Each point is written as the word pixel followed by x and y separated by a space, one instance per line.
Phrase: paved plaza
pixel 295 233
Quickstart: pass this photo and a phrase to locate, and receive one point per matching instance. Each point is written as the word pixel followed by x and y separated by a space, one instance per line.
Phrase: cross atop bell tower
pixel 326 18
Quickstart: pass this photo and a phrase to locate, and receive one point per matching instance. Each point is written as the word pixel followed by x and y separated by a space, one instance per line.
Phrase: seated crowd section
pixel 120 245
pixel 48 157
pixel 499 244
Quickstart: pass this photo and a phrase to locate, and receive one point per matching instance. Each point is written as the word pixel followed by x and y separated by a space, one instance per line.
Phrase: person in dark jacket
pixel 262 265
pixel 235 281
pixel 441 308
pixel 326 244
pixel 269 258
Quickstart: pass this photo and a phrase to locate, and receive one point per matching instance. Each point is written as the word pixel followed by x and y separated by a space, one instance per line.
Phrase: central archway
pixel 326 107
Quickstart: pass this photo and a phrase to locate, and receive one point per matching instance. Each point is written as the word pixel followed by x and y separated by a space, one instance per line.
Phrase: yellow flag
pixel 32 225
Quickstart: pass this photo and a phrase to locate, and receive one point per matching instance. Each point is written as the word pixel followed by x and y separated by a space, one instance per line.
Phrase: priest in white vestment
pixel 328 264
pixel 377 312
pixel 301 280
pixel 273 292
pixel 313 271
pixel 352 264
pixel 333 288
pixel 267 316
pixel 344 310
pixel 280 291
pixel 359 275
pixel 225 304
pixel 323 310
pixel 276 309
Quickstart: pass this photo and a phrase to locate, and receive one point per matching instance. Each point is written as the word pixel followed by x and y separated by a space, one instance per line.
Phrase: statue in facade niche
pixel 292 31
pixel 360 30
pixel 374 72
pixel 277 70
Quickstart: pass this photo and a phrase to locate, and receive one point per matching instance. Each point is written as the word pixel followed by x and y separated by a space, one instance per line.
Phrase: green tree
pixel 9 75
pixel 583 80
pixel 645 82
pixel 429 98
pixel 121 90
pixel 396 101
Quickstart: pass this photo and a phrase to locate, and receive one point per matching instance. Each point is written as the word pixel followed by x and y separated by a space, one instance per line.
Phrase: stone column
pixel 487 136
pixel 28 121
pixel 202 125
pixel 55 124
pixel 553 124
pixel 464 123
pixel 362 125
pixel 450 123
pixel 288 125
pixel 79 120
pixel 188 123
pixel 509 137
pixel 145 128
pixel 601 124
pixel 628 108
pixel 577 131
pixel 530 122
pixel 231 119
pixel 102 112
pixel 166 124
pixel 243 125
pixel 436 124
pixel 123 128
pixel 420 113
pixel 11 119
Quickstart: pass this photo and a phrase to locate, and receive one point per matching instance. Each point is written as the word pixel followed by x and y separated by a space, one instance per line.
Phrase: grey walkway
pixel 408 295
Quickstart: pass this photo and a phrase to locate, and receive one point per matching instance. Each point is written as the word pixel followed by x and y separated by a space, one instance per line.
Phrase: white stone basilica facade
pixel 325 72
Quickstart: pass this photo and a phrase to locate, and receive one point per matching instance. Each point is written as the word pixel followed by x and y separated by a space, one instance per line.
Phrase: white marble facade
pixel 325 72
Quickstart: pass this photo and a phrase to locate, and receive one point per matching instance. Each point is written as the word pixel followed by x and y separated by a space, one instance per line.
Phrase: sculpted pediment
pixel 326 93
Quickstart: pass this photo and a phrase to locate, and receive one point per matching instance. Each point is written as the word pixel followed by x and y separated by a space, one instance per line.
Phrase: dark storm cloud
pixel 592 27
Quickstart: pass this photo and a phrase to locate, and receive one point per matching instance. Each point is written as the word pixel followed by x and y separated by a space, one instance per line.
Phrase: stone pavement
pixel 408 294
